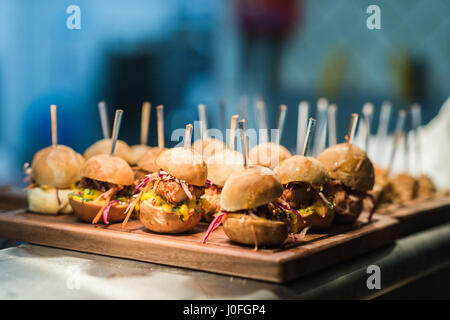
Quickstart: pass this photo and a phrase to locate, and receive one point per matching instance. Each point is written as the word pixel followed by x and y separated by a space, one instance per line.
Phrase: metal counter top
pixel 37 272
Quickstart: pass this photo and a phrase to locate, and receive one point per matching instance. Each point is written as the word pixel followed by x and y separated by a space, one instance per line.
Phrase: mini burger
pixel 54 172
pixel 250 213
pixel 304 179
pixel 103 146
pixel 220 167
pixel 104 190
pixel 352 176
pixel 169 200
pixel 404 188
pixel 268 154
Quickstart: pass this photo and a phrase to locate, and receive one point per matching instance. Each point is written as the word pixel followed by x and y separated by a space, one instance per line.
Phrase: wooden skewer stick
pixel 262 119
pixel 233 131
pixel 281 120
pixel 383 124
pixel 332 128
pixel 145 119
pixel 160 120
pixel 416 123
pixel 187 136
pixel 203 120
pixel 223 113
pixel 399 127
pixel 104 119
pixel 301 124
pixel 320 137
pixel 116 128
pixel 53 117
pixel 243 141
pixel 352 128
pixel 309 134
pixel 367 112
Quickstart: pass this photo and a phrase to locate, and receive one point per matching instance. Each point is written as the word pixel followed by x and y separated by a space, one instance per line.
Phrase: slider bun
pixel 350 165
pixel 148 160
pixel 86 211
pixel 107 168
pixel 302 169
pixel 45 201
pixel 156 220
pixel 104 147
pixel 208 147
pixel 243 228
pixel 222 165
pixel 183 164
pixel 268 154
pixel 56 167
pixel 250 188
pixel 137 151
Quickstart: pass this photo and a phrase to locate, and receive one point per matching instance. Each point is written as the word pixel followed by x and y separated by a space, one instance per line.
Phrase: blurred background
pixel 182 53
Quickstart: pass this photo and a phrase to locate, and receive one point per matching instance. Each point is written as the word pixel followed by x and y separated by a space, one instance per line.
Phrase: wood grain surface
pixel 219 255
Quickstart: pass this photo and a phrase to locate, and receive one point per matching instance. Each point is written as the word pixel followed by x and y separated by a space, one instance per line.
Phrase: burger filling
pixel 348 202
pixel 104 193
pixel 306 200
pixel 170 194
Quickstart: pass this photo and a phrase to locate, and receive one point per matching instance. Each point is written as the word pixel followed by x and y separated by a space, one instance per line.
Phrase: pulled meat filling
pixel 348 202
pixel 299 195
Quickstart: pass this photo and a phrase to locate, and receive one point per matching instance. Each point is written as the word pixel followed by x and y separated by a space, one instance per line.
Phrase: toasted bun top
pixel 183 164
pixel 104 147
pixel 107 168
pixel 56 166
pixel 250 188
pixel 302 169
pixel 148 161
pixel 268 154
pixel 137 151
pixel 208 147
pixel 350 165
pixel 222 165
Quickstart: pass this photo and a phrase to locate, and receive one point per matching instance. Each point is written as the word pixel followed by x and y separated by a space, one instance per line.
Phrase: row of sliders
pixel 170 190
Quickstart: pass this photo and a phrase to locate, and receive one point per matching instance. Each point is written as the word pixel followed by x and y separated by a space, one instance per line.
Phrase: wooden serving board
pixel 219 255
pixel 419 214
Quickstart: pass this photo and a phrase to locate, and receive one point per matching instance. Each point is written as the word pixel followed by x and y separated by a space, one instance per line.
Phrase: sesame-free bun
pixel 208 147
pixel 245 229
pixel 350 165
pixel 302 169
pixel 148 160
pixel 56 167
pixel 222 165
pixel 86 211
pixel 156 220
pixel 46 201
pixel 250 188
pixel 268 154
pixel 137 151
pixel 183 164
pixel 104 147
pixel 107 168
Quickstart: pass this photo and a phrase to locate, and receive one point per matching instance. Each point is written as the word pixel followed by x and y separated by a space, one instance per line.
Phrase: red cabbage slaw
pixel 105 213
pixel 215 224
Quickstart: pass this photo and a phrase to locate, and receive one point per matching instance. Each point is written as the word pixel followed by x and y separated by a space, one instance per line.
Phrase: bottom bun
pixel 156 220
pixel 46 201
pixel 244 229
pixel 86 211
